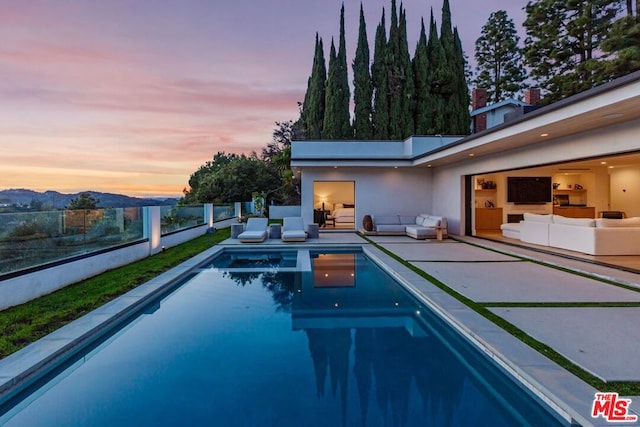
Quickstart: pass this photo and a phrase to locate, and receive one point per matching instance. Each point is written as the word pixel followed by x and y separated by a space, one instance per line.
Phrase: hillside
pixel 23 197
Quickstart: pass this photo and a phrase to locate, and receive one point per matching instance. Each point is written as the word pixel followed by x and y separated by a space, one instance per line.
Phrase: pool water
pixel 340 343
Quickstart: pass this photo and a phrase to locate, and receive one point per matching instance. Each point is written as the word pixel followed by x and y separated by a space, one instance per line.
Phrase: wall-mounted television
pixel 529 190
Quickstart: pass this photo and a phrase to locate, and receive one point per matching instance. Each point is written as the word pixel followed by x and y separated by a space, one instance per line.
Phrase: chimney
pixel 532 96
pixel 479 100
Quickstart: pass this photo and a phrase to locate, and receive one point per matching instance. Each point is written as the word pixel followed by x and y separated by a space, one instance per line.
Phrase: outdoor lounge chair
pixel 255 231
pixel 293 230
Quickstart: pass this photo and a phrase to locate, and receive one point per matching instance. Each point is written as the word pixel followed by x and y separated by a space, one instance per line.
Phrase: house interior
pixel 334 204
pixel 593 188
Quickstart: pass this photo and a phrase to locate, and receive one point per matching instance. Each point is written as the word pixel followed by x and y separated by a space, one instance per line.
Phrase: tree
pixel 363 89
pixel 623 43
pixel 423 107
pixel 499 60
pixel 438 78
pixel 277 156
pixel 379 75
pixel 562 44
pixel 84 201
pixel 313 108
pixel 408 87
pixel 230 178
pixel 337 118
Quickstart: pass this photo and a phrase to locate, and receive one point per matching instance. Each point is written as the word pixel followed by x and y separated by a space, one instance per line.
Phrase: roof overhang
pixel 606 105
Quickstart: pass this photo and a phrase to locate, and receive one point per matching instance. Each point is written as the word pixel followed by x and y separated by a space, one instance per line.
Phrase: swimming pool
pixel 318 338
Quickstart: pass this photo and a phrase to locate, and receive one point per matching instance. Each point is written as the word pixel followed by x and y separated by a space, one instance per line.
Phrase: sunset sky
pixel 132 96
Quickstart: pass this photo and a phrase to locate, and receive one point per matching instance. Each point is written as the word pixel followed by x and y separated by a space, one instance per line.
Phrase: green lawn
pixel 26 323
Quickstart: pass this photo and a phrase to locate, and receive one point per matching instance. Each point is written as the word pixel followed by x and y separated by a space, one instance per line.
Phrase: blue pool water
pixel 336 344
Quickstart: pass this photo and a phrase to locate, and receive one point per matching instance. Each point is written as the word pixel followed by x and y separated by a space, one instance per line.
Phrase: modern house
pixel 588 145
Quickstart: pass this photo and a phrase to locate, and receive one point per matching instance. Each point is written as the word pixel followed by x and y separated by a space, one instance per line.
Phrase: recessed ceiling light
pixel 428 166
pixel 395 167
pixel 335 167
pixel 471 154
pixel 610 167
pixel 603 163
pixel 544 134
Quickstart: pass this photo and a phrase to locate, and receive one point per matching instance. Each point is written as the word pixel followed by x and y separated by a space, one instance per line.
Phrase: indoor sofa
pixel 420 227
pixel 600 236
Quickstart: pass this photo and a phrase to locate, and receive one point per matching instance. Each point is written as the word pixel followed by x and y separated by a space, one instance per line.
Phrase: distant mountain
pixel 23 197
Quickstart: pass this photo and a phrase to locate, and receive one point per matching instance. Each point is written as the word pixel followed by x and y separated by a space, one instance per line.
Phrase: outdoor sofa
pixel 422 226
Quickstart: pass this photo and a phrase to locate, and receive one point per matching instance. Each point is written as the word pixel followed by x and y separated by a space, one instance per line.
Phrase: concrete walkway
pixel 602 340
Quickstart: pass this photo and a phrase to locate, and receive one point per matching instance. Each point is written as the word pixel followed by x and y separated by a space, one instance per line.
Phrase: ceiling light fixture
pixel 544 134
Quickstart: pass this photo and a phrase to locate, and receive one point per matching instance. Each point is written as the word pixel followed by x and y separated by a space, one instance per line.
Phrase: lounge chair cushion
pixel 293 230
pixel 255 231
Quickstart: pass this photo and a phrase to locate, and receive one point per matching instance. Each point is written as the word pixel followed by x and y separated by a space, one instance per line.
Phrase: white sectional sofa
pixel 590 236
pixel 420 227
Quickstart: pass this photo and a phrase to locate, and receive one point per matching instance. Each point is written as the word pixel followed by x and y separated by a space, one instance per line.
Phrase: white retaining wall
pixel 23 288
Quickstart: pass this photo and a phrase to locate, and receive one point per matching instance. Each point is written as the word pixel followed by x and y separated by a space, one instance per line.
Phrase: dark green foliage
pixel 423 107
pixel 438 79
pixel 499 60
pixel 337 119
pixel 230 178
pixel 84 201
pixel 462 119
pixel 395 79
pixel 379 74
pixel 563 44
pixel 312 115
pixel 623 42
pixel 277 157
pixel 408 86
pixel 363 89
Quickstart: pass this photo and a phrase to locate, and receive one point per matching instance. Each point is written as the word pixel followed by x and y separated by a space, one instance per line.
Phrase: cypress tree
pixel 379 75
pixel 336 119
pixel 423 107
pixel 330 127
pixel 438 79
pixel 408 89
pixel 394 84
pixel 448 89
pixel 463 100
pixel 314 103
pixel 363 89
pixel 344 94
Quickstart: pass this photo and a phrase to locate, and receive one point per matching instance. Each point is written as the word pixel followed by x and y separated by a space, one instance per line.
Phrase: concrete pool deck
pixel 602 340
pixel 507 280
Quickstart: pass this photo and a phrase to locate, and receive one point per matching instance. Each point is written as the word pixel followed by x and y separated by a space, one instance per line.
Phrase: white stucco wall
pixel 378 190
pixel 625 190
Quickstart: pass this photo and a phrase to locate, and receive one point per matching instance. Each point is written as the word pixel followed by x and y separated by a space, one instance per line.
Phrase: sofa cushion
pixel 625 222
pixel 580 222
pixel 407 219
pixel 391 228
pixel 431 222
pixel 538 217
pixel 386 219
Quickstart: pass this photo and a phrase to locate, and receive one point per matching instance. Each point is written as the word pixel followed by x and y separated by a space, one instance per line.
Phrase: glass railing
pixel 175 218
pixel 223 212
pixel 30 239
